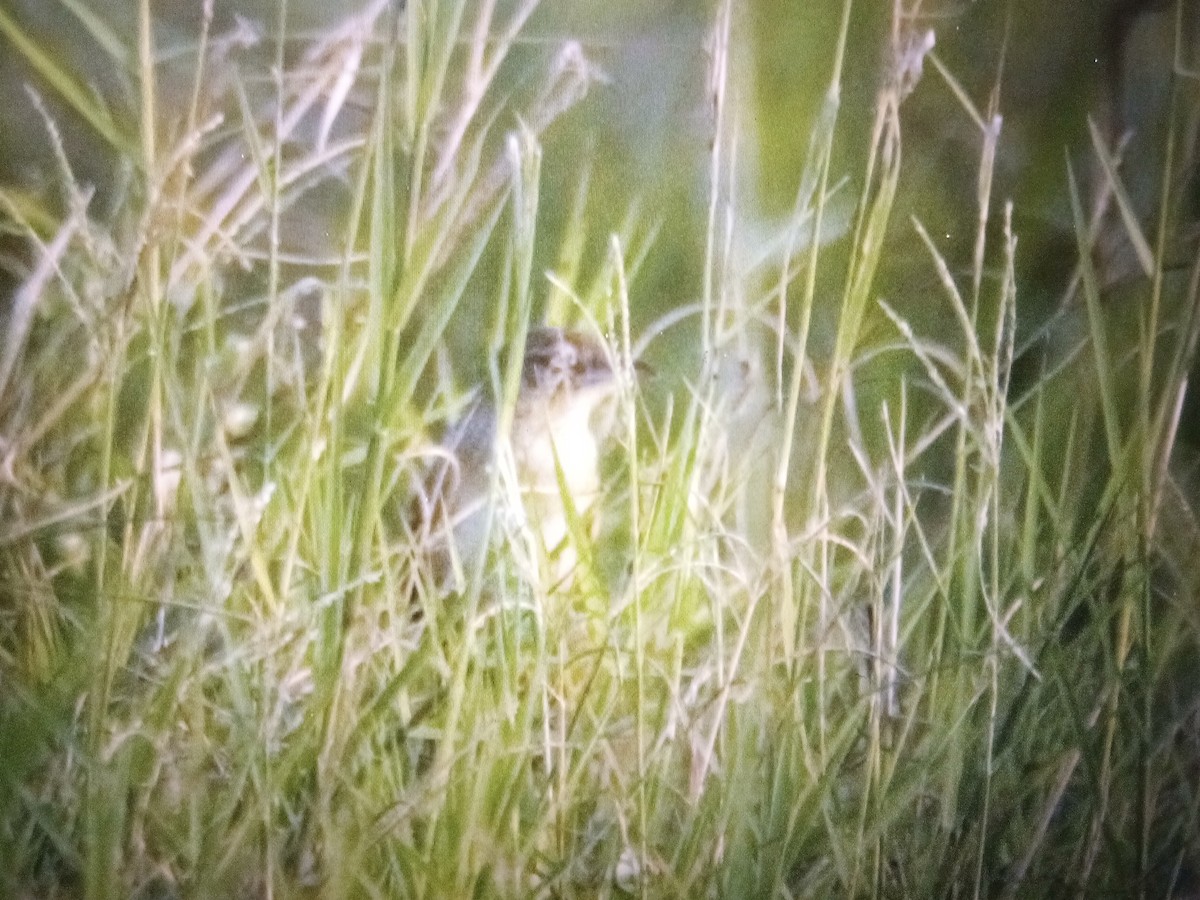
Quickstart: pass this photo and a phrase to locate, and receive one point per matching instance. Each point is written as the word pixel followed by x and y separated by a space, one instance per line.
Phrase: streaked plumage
pixel 565 376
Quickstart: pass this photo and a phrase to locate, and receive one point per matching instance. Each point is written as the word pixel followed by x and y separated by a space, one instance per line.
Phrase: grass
pixel 864 616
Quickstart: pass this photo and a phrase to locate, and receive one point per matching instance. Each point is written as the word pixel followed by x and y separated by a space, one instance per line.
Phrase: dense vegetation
pixel 894 588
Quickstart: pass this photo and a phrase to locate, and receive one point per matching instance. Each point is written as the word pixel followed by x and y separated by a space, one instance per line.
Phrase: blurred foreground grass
pixel 893 595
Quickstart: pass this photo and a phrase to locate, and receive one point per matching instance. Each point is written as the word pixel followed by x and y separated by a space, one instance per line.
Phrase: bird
pixel 555 441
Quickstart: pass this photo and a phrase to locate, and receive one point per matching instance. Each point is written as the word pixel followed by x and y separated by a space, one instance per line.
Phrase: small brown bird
pixel 565 377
